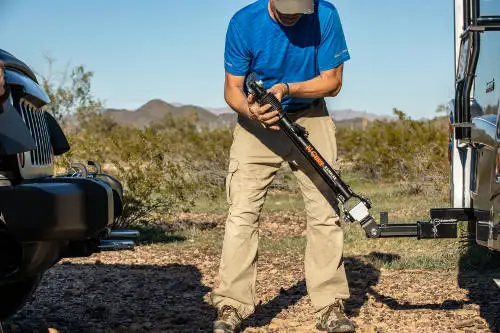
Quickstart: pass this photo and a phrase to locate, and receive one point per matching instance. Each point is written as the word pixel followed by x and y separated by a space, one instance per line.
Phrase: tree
pixel 400 114
pixel 443 108
pixel 70 98
pixel 155 185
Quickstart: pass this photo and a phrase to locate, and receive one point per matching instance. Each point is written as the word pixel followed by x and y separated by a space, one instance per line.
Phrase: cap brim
pixel 295 6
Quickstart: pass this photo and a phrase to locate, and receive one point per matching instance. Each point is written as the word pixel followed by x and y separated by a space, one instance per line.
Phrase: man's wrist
pixel 247 112
pixel 287 89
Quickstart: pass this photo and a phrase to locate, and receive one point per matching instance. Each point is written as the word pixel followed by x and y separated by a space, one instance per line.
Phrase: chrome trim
pixel 119 234
pixel 116 245
pixel 485 120
pixel 46 137
pixel 36 121
pixel 29 123
pixel 40 161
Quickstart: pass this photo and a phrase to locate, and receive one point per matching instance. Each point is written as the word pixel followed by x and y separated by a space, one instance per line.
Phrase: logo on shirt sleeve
pixel 228 63
pixel 340 53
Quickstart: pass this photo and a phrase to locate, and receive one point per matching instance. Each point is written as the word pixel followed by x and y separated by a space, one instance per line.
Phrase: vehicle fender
pixel 15 137
pixel 58 140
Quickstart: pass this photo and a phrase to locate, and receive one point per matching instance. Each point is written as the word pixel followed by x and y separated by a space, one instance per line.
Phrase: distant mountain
pixel 341 115
pixel 220 110
pixel 338 115
pixel 156 109
pixel 350 123
pixel 227 119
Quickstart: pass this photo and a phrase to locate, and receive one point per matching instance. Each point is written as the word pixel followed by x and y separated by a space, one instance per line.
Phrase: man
pixel 297 48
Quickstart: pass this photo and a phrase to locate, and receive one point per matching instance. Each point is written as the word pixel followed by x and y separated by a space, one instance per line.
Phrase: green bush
pixel 166 166
pixel 163 167
pixel 402 149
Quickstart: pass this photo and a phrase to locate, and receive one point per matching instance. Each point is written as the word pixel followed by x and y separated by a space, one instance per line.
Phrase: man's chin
pixel 289 24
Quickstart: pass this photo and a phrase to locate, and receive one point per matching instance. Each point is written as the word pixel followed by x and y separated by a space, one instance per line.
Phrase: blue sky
pixel 402 51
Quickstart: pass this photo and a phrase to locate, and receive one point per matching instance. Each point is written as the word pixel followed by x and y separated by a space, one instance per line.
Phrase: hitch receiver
pixel 443 223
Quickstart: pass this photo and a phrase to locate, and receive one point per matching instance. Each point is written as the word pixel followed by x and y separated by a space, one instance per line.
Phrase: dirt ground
pixel 163 287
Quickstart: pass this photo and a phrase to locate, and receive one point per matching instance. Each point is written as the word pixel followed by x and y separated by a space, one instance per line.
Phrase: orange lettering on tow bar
pixel 315 155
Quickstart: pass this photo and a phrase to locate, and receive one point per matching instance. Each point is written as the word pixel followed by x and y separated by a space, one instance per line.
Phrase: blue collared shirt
pixel 276 53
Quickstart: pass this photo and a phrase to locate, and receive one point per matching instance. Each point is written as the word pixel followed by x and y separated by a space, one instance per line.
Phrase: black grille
pixel 35 120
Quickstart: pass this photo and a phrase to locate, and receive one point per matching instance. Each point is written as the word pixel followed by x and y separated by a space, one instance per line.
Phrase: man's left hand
pixel 279 90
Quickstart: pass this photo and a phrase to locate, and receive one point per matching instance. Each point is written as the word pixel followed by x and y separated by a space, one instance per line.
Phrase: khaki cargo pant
pixel 256 155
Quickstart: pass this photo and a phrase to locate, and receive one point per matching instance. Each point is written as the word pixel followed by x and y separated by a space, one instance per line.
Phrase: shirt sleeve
pixel 332 51
pixel 237 56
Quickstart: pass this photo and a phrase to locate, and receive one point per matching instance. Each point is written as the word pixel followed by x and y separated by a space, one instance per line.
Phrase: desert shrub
pixel 398 150
pixel 167 166
pixel 164 168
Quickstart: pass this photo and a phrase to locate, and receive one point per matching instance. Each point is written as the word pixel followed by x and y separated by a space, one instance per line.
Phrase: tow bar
pixel 443 222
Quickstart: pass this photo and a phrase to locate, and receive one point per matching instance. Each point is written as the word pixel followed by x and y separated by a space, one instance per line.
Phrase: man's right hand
pixel 262 114
pixel 2 80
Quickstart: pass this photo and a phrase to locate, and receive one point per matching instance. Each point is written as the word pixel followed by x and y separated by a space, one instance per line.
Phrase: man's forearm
pixel 236 99
pixel 246 106
pixel 327 84
pixel 315 88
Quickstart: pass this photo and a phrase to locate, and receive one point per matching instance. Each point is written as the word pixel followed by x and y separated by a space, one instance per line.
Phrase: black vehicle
pixel 44 217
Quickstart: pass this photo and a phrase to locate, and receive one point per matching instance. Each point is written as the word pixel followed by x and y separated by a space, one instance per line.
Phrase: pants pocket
pixel 233 166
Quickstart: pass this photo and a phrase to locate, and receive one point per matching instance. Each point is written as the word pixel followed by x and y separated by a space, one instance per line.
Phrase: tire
pixel 13 296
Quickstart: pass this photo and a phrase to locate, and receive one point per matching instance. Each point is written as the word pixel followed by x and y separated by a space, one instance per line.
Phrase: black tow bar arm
pixel 355 207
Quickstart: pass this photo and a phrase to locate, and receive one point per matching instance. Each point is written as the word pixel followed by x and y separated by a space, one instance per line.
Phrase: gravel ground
pixel 163 287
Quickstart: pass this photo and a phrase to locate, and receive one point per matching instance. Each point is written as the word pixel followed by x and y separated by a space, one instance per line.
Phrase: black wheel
pixel 13 296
